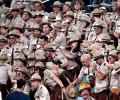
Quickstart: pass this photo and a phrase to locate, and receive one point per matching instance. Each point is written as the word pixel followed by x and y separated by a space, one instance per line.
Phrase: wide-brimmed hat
pixel 20 56
pixel 37 13
pixel 3 57
pixel 22 70
pixel 35 77
pixel 31 56
pixel 49 47
pixel 98 55
pixel 96 12
pixel 68 3
pixel 58 25
pixel 38 1
pixel 40 58
pixel 39 65
pixel 52 17
pixel 3 38
pixel 83 86
pixel 116 67
pixel 27 11
pixel 98 23
pixel 36 27
pixel 73 39
pixel 12 33
pixel 57 4
pixel 106 37
pixel 112 53
pixel 69 13
pixel 71 93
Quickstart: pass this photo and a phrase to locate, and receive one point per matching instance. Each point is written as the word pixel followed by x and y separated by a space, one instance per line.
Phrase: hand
pixel 94 65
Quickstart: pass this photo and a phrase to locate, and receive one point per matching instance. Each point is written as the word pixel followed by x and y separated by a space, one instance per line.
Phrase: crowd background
pixel 60 50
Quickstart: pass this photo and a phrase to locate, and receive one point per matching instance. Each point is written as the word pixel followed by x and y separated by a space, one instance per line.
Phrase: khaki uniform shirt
pixel 42 93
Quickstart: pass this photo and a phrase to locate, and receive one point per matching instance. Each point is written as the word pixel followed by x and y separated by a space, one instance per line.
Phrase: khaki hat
pixel 68 3
pixel 4 25
pixel 49 47
pixel 38 1
pixel 3 38
pixel 73 39
pixel 105 38
pixel 23 70
pixel 69 13
pixel 37 27
pixel 35 77
pixel 57 4
pixel 3 57
pixel 37 13
pixel 112 53
pixel 110 48
pixel 70 93
pixel 20 56
pixel 39 65
pixel 118 48
pixel 96 11
pixel 52 17
pixel 58 25
pixel 31 64
pixel 40 58
pixel 31 56
pixel 98 55
pixel 98 23
pixel 26 10
pixel 12 33
pixel 116 67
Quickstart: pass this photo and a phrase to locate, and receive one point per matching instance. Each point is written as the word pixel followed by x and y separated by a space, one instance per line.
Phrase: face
pixel 2 44
pixel 12 40
pixel 25 16
pixel 35 84
pixel 99 61
pixel 46 29
pixel 73 45
pixel 42 43
pixel 98 30
pixel 49 53
pixel 38 19
pixel 38 6
pixel 84 62
pixel 111 59
pixel 33 70
pixel 69 19
pixel 66 8
pixel 118 54
pixel 36 33
pixel 20 75
pixel 18 63
pixel 3 31
pixel 77 6
pixel 85 94
pixel 56 9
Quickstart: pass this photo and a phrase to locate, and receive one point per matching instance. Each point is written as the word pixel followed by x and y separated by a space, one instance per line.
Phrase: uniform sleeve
pixel 9 70
pixel 104 70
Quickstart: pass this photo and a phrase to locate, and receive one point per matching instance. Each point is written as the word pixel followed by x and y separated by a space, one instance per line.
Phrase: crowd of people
pixel 66 54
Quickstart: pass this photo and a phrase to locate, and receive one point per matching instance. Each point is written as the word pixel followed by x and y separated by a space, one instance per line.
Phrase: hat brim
pixel 98 26
pixel 17 36
pixel 72 42
pixel 96 58
pixel 66 15
pixel 50 49
pixel 26 12
pixel 35 79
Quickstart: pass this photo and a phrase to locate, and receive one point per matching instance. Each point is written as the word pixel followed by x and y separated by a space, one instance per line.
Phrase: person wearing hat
pixel 37 16
pixel 114 82
pixel 112 56
pixel 38 6
pixel 101 72
pixel 34 40
pixel 21 73
pixel 41 91
pixel 18 93
pixel 98 29
pixel 70 25
pixel 3 43
pixel 52 81
pixel 51 18
pixel 3 29
pixel 84 92
pixel 13 46
pixel 5 75
pixel 67 6
pixel 118 52
pixel 46 28
pixel 56 7
pixel 59 39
